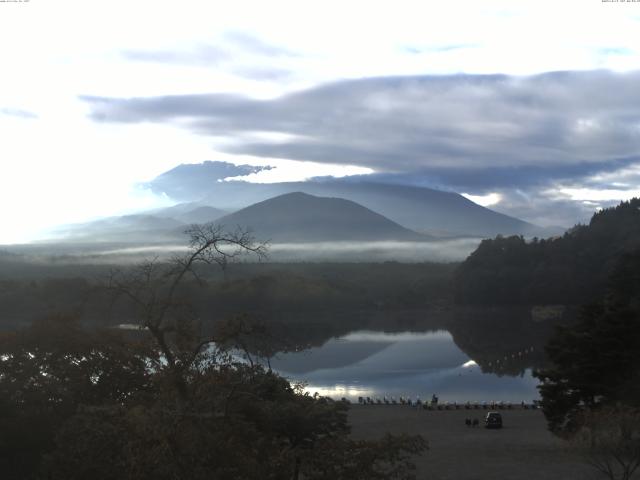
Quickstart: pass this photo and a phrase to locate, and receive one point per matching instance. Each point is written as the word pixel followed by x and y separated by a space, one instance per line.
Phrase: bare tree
pixel 609 441
pixel 153 288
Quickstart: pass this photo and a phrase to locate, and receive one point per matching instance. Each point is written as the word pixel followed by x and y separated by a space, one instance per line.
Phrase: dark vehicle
pixel 493 420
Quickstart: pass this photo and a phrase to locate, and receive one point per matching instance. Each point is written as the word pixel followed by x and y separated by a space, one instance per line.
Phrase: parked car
pixel 493 420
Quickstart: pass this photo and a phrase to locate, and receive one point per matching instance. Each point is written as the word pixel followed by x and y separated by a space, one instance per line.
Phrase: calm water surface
pixel 377 364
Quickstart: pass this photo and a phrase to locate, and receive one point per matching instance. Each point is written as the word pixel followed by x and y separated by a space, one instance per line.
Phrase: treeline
pixel 265 290
pixel 570 269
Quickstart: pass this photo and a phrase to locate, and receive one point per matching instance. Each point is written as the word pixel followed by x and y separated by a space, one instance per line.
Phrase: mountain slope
pixel 129 228
pixel 190 212
pixel 417 208
pixel 299 217
pixel 202 214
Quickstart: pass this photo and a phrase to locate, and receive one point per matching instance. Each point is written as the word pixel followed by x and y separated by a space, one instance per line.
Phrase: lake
pixel 410 364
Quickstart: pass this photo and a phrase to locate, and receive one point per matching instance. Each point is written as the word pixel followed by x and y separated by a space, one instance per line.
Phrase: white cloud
pixel 592 195
pixel 484 200
pixel 58 166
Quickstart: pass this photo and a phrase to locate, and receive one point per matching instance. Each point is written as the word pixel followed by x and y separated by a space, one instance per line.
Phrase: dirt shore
pixel 522 450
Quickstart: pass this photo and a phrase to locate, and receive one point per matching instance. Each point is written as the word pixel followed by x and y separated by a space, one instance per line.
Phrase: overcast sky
pixel 532 107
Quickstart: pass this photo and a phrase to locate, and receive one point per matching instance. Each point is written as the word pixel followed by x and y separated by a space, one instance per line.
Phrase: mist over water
pixel 449 250
pixel 440 250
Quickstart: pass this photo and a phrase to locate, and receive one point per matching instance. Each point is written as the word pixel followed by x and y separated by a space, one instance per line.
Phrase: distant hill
pixel 299 217
pixel 141 228
pixel 153 226
pixel 417 208
pixel 571 269
pixel 191 212
pixel 202 214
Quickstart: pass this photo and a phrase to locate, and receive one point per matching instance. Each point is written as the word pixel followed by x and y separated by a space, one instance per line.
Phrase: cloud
pixel 17 112
pixel 615 51
pixel 474 133
pixel 439 48
pixel 256 46
pixel 226 50
pixel 545 208
pixel 263 73
pixel 201 55
pixel 467 129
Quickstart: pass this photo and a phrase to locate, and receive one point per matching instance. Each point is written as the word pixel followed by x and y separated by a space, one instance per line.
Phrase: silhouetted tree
pixel 596 362
pixel 153 288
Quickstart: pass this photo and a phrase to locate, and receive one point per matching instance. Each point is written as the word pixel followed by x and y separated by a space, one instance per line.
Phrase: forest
pixel 112 371
pixel 567 270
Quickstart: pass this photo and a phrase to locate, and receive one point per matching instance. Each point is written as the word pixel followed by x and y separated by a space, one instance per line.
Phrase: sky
pixel 528 107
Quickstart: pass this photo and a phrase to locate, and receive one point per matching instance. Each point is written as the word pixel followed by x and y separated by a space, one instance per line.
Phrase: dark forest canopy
pixel 571 269
pixel 262 289
pixel 595 361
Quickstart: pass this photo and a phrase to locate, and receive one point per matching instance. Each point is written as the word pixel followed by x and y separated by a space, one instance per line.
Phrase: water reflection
pixel 413 364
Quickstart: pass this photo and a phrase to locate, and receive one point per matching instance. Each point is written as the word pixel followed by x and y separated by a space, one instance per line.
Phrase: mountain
pixel 191 212
pixel 141 228
pixel 418 208
pixel 158 225
pixel 204 214
pixel 299 217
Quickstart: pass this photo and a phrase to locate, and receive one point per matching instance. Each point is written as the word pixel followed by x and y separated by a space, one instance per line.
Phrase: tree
pixel 50 369
pixel 571 269
pixel 154 290
pixel 239 422
pixel 609 441
pixel 174 408
pixel 596 362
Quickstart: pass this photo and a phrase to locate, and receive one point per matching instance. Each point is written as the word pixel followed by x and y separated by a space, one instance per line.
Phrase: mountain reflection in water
pixel 413 364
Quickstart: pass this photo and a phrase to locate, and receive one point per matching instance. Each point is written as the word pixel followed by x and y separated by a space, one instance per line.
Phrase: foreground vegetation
pixel 170 400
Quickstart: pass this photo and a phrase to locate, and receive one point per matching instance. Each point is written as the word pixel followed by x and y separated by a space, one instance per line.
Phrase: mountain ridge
pixel 300 217
pixel 417 208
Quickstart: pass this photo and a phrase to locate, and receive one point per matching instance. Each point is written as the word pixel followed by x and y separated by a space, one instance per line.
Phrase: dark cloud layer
pixel 470 132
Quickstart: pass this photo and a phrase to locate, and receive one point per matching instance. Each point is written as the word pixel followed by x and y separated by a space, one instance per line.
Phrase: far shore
pixel 523 450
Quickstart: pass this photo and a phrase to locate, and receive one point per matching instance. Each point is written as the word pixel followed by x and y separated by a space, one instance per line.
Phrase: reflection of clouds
pixel 411 364
pixel 367 356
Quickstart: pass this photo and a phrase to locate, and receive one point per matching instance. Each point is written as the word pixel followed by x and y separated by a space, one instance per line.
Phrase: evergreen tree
pixel 596 362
